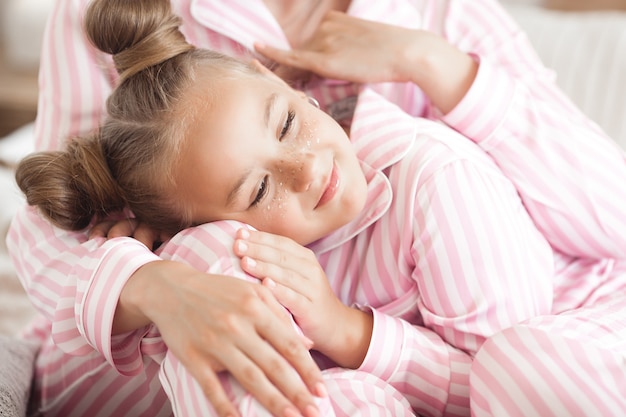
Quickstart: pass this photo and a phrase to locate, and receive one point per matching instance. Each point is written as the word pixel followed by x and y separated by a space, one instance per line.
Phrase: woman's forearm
pixel 134 300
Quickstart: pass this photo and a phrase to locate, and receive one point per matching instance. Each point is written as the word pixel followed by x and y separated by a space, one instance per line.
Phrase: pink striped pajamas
pixel 494 269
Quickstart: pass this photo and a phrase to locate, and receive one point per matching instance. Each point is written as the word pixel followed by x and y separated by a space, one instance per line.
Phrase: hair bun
pixel 138 33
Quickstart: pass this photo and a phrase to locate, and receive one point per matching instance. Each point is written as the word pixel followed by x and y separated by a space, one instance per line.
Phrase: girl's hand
pixel 348 48
pixel 363 51
pixel 296 278
pixel 214 323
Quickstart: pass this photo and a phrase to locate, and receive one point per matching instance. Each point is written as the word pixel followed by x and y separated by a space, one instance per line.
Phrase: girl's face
pixel 261 154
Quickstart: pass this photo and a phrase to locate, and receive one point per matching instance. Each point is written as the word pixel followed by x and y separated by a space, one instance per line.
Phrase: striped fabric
pixel 494 267
pixel 593 73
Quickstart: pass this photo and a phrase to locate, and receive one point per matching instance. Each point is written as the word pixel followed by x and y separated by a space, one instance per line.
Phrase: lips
pixel 331 187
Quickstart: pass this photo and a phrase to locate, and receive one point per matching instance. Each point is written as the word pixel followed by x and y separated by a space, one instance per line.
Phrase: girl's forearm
pixel 351 339
pixel 442 71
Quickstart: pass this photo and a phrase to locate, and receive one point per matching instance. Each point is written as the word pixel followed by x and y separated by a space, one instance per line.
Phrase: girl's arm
pixel 478 263
pixel 569 174
pixel 484 79
pixel 383 53
pixel 295 276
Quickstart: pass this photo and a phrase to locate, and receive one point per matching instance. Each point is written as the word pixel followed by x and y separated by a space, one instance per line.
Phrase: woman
pixel 511 124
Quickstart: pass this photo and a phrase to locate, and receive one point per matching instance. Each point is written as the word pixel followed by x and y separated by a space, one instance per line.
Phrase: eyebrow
pixel 232 196
pixel 269 106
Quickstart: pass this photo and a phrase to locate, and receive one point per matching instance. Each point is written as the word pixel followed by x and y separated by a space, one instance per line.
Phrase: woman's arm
pixel 89 288
pixel 225 317
pixel 74 79
pixel 132 287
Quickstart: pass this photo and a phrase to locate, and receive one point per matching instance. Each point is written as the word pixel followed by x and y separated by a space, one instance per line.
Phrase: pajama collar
pixel 381 135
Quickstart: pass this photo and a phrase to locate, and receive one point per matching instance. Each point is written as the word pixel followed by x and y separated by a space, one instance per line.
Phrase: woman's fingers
pixel 270 361
pixel 272 381
pixel 147 235
pixel 246 331
pixel 114 228
pixel 214 391
pixel 101 229
pixel 292 349
pixel 129 228
pixel 269 358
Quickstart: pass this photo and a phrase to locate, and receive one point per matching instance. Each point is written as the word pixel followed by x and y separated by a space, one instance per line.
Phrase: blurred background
pixel 21 31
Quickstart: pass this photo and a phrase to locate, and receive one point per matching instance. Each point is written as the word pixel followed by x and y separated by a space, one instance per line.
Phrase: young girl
pixel 422 266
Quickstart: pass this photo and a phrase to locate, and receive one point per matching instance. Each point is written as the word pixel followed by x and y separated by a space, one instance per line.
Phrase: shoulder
pixel 436 151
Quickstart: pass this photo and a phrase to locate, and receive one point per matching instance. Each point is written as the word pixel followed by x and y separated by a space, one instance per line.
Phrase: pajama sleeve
pixel 75 283
pixel 569 174
pixel 479 266
pixel 74 79
pixel 72 281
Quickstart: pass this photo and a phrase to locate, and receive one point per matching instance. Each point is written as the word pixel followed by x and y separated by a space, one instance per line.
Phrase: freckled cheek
pixel 279 215
pixel 276 207
pixel 280 200
pixel 306 139
pixel 310 135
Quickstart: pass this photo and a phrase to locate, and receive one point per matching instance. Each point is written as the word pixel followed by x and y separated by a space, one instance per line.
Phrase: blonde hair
pixel 129 161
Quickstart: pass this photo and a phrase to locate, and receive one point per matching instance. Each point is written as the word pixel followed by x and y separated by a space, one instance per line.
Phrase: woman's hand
pixel 213 323
pixel 296 278
pixel 363 51
pixel 110 229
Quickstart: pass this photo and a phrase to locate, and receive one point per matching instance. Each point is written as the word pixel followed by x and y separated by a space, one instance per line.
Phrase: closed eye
pixel 262 191
pixel 288 123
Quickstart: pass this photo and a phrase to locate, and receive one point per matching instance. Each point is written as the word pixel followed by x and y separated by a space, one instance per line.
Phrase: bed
pixel 586 49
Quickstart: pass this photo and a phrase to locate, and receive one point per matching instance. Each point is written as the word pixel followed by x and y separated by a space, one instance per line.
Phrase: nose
pixel 300 171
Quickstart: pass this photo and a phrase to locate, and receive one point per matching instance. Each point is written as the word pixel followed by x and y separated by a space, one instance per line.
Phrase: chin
pixel 358 197
pixel 351 207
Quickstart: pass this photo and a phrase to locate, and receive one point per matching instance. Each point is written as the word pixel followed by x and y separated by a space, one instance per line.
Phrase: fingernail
pixel 250 263
pixel 311 411
pixel 244 233
pixel 320 390
pixel 291 412
pixel 269 282
pixel 308 342
pixel 242 246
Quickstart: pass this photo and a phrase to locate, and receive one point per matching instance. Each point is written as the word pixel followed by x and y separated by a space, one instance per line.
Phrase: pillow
pixel 588 52
pixel 17 358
